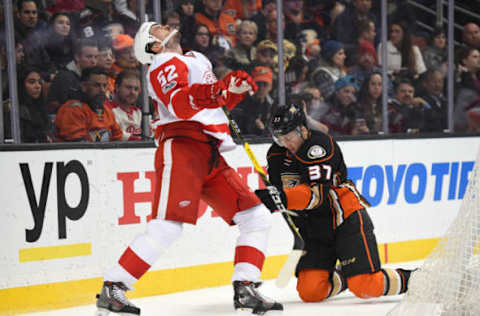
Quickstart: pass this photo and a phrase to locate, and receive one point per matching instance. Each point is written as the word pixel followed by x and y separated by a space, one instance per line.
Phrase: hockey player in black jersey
pixel 308 169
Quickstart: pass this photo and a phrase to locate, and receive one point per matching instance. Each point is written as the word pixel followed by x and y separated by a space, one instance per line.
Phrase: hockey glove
pixel 273 198
pixel 238 83
pixel 208 95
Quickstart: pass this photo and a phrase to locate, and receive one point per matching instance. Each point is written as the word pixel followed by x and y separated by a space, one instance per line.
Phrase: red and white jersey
pixel 129 120
pixel 169 76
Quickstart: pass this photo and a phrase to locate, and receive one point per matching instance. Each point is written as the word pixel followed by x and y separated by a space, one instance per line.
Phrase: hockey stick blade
pixel 288 268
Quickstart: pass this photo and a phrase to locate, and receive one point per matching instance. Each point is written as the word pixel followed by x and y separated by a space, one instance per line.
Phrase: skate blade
pixel 102 312
pixel 249 312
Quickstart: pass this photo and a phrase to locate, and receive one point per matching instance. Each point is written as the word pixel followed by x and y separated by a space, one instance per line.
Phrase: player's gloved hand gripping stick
pixel 298 243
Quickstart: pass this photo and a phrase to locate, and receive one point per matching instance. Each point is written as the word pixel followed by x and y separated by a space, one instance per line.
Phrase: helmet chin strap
pixel 169 37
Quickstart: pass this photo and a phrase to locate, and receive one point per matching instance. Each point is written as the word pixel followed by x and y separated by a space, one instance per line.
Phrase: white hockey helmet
pixel 143 40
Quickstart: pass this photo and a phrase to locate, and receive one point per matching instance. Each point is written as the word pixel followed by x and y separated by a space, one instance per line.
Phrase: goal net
pixel 448 283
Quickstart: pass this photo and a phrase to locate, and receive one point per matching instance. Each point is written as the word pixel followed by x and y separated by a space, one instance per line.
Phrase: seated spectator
pixel 471 35
pixel 435 54
pixel 405 112
pixel 253 113
pixel 186 13
pixel 105 61
pixel 314 108
pixel 19 60
pixel 330 68
pixel 241 10
pixel 261 17
pixel 26 20
pixel 241 55
pixel 172 19
pixel 431 91
pixel 370 102
pixel 265 54
pixel 297 20
pixel 342 116
pixel 86 118
pixel 66 84
pixel 404 58
pixel 221 25
pixel 313 50
pixel 366 62
pixel 126 16
pixel 94 18
pixel 33 117
pixel 347 23
pixel 124 105
pixel 124 55
pixel 365 33
pixel 324 14
pixel 58 40
pixel 467 86
pixel 203 43
pixel 296 75
pixel 27 25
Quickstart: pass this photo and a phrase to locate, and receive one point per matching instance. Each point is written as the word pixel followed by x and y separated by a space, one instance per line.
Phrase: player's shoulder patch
pixel 316 152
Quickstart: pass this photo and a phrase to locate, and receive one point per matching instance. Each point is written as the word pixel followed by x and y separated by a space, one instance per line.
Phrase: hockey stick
pixel 298 243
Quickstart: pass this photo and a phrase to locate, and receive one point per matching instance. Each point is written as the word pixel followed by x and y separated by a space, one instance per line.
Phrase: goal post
pixel 448 282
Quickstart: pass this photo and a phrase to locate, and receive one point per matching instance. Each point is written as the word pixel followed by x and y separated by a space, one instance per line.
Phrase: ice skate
pixel 247 299
pixel 112 300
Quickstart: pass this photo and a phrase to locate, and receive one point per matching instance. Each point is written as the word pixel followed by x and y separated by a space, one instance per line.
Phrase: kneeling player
pixel 308 169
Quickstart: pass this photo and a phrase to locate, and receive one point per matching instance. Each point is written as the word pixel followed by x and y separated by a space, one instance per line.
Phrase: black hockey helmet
pixel 285 119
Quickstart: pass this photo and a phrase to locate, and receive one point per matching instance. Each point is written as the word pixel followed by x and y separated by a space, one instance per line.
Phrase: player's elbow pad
pixel 300 197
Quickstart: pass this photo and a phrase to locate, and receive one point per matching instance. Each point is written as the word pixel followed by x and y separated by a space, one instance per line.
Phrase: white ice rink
pixel 218 302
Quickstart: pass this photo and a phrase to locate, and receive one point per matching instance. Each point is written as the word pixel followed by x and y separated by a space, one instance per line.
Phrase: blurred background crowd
pixel 70 52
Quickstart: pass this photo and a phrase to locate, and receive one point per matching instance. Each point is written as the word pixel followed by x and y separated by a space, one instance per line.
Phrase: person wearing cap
pixel 330 68
pixel 253 113
pixel 265 54
pixel 366 62
pixel 342 118
pixel 124 55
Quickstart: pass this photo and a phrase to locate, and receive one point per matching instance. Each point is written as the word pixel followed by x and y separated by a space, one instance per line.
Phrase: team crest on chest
pixel 316 152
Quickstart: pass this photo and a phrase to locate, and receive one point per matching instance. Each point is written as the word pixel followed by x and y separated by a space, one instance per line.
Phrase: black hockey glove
pixel 273 198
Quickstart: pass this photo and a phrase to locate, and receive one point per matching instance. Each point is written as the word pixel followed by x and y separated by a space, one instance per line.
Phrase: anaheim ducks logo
pixel 316 151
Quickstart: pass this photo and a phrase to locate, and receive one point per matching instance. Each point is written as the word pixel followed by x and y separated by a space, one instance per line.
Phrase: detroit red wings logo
pixel 209 77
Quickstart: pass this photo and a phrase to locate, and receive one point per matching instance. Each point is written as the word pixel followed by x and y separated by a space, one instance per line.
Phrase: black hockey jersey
pixel 319 165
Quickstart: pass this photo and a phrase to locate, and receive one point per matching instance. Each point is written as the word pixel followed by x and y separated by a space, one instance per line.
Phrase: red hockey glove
pixel 238 83
pixel 208 95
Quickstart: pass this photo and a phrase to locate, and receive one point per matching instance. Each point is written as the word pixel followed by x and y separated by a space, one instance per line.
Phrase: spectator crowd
pixel 78 78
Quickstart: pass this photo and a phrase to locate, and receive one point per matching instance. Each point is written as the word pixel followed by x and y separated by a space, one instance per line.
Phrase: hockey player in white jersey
pixel 191 133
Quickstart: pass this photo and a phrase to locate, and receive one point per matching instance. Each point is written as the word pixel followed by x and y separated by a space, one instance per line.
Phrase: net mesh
pixel 448 283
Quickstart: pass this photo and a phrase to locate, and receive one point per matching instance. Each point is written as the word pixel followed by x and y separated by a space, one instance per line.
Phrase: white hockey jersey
pixel 129 120
pixel 169 76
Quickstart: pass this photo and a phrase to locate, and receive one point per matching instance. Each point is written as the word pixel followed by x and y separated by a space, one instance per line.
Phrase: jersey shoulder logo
pixel 316 151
